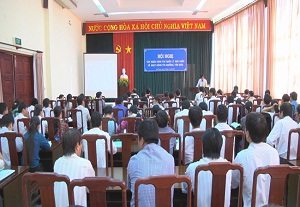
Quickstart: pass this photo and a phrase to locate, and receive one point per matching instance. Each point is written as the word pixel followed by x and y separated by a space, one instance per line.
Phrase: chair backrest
pixel 163 185
pixel 236 110
pixel 275 118
pixel 25 121
pixel 73 113
pixel 142 103
pixel 74 103
pixel 52 123
pixel 198 145
pixel 171 111
pixel 230 135
pixel 97 189
pixel 170 104
pixel 257 101
pixel 131 123
pixel 222 97
pixel 215 105
pixel 127 104
pixel 91 140
pixel 297 130
pixel 218 170
pixel 45 183
pixel 52 103
pixel 116 113
pixel 148 112
pixel 186 123
pixel 97 105
pixel 209 120
pixel 61 103
pixel 165 142
pixel 278 175
pixel 127 139
pixel 13 153
pixel 255 107
pixel 105 121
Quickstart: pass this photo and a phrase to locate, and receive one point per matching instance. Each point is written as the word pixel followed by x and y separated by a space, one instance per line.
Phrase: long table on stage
pixel 11 187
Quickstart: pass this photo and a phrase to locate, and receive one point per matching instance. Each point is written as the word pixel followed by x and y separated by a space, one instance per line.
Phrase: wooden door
pixel 7 76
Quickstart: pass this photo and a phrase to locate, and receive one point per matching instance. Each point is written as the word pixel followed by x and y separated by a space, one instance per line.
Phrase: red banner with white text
pixel 147 26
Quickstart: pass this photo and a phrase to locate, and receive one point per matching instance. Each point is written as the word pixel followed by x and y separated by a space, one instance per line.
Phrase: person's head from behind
pixel 134 90
pixel 285 98
pixel 195 116
pixel 162 119
pixel 230 99
pixel 222 113
pixel 286 109
pixel 171 95
pixel 133 110
pixel 3 108
pixel 274 103
pixel 144 98
pixel 34 124
pixel 61 96
pixel 135 102
pixel 246 91
pixel 239 101
pixel 96 119
pixel 34 101
pixel 46 102
pixel 38 110
pixel 156 108
pixel 8 121
pixel 219 92
pixel 178 92
pixel 267 99
pixel 212 143
pixel 212 92
pixel 201 89
pixel 166 94
pixel 23 109
pixel 69 97
pixel 251 93
pixel 156 100
pixel 256 127
pixel 236 88
pixel 143 93
pixel 203 106
pixel 57 112
pixel 148 132
pixel 128 93
pixel 125 97
pixel 72 142
pixel 108 111
pixel 185 104
pixel 202 76
pixel 267 92
pixel 293 96
pixel 80 100
pixel 119 100
pixel 99 94
pixel 233 93
pixel 148 91
pixel 248 107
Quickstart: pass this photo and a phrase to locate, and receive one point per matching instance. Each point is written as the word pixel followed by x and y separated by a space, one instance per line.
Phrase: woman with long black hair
pixel 34 141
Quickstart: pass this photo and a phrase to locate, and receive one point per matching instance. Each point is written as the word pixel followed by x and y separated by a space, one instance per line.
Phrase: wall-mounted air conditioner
pixel 68 4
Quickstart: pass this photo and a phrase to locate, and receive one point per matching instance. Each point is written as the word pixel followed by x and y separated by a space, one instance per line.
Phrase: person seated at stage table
pixel 3 109
pixel 85 114
pixel 258 154
pixel 34 141
pixel 63 125
pixel 162 120
pixel 195 116
pixel 23 113
pixel 279 135
pixel 202 82
pixel 120 105
pixel 7 126
pixel 150 160
pixel 108 112
pixel 100 144
pixel 74 166
pixel 212 143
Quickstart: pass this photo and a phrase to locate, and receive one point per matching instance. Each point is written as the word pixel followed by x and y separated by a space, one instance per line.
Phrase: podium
pixel 122 90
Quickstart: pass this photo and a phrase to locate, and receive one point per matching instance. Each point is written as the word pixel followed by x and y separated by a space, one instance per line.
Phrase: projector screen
pixel 165 59
pixel 100 74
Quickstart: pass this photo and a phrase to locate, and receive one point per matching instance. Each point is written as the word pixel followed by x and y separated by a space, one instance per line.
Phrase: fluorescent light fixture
pixel 147 12
pixel 200 5
pixel 100 7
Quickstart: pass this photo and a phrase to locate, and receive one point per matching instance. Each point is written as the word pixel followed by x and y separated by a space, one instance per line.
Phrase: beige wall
pixel 56 32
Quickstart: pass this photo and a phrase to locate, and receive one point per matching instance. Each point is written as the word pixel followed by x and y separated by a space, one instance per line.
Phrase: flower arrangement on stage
pixel 123 82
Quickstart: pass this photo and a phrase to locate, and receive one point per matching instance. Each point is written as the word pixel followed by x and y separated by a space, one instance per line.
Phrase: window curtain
pixel 38 76
pixel 283 59
pixel 239 51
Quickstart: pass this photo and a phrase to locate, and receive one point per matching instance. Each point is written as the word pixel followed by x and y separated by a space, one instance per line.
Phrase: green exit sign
pixel 18 41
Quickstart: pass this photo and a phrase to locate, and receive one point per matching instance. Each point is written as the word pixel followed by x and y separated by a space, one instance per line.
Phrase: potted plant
pixel 123 82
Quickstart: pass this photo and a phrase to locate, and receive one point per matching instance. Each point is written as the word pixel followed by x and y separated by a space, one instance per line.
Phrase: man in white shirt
pixel 75 167
pixel 279 135
pixel 202 82
pixel 7 126
pixel 203 106
pixel 3 109
pixel 85 114
pixel 185 112
pixel 212 96
pixel 47 107
pixel 100 144
pixel 222 114
pixel 23 113
pixel 258 154
pixel 195 116
pixel 212 143
pixel 199 96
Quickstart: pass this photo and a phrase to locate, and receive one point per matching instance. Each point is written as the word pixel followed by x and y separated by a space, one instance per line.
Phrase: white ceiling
pixel 212 9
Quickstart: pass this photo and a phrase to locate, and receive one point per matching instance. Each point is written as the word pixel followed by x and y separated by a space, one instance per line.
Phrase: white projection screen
pixel 101 75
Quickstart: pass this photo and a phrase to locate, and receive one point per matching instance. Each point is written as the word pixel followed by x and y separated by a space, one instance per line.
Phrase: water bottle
pixel 56 137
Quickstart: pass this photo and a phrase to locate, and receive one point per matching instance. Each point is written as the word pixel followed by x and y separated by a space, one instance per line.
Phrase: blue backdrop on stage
pixel 165 59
